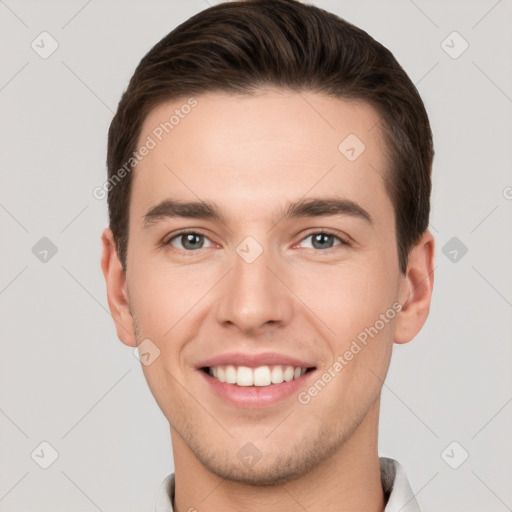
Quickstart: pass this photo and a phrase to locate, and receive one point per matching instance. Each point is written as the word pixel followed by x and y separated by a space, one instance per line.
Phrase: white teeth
pixel 277 375
pixel 244 376
pixel 288 374
pixel 260 376
pixel 230 374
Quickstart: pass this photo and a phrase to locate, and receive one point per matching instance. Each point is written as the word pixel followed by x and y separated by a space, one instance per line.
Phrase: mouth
pixel 255 381
pixel 260 376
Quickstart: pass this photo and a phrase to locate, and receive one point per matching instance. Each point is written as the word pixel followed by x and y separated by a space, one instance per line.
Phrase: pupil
pixel 321 238
pixel 190 238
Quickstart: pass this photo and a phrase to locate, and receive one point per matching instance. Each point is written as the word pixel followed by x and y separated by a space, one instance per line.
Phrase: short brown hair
pixel 243 46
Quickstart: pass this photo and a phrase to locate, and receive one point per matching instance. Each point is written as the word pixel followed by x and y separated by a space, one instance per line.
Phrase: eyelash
pixel 342 240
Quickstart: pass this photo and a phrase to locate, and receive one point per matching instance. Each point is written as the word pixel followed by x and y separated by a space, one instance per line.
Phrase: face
pixel 286 259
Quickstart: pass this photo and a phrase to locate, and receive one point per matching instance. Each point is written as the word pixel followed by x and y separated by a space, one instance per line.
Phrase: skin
pixel 251 155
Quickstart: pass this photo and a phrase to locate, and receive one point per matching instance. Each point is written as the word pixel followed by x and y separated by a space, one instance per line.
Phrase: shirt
pixel 395 485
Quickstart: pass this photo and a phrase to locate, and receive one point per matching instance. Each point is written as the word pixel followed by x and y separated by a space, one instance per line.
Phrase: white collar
pixel 394 483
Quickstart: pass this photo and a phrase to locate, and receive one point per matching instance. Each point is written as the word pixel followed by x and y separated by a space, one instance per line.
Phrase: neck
pixel 348 481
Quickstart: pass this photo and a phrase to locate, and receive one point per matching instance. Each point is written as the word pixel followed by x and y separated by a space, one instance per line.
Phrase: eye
pixel 189 241
pixel 324 240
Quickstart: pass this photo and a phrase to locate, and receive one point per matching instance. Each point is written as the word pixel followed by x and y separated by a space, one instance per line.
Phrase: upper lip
pixel 255 360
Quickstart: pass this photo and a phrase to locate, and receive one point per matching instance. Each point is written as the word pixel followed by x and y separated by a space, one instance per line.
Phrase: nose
pixel 254 296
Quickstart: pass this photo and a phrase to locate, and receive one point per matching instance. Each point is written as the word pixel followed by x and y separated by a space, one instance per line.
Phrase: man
pixel 269 194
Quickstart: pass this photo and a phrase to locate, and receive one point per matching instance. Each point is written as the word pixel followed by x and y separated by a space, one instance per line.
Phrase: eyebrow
pixel 311 207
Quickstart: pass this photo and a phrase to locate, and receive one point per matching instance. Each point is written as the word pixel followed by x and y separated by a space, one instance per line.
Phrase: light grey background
pixel 67 380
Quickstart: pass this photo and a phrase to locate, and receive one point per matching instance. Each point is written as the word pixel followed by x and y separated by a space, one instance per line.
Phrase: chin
pixel 269 470
pixel 259 475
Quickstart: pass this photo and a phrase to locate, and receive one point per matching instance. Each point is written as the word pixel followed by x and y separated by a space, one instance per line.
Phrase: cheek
pixel 348 298
pixel 160 296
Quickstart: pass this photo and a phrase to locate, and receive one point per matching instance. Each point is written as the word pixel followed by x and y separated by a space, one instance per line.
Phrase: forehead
pixel 264 147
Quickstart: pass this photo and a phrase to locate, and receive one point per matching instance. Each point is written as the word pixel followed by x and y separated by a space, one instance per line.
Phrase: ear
pixel 115 279
pixel 416 289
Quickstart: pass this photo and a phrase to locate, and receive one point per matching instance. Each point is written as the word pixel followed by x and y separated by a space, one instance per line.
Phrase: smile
pixel 260 376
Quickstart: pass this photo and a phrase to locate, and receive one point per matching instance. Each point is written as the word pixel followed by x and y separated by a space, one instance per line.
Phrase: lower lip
pixel 255 397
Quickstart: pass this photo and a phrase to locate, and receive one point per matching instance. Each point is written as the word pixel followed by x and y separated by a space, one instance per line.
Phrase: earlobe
pixel 416 291
pixel 115 280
